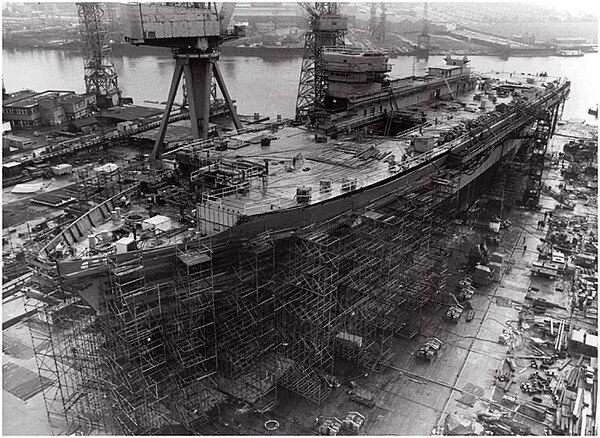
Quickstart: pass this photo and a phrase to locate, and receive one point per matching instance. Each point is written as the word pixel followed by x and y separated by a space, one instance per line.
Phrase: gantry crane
pixel 225 15
pixel 193 32
pixel 327 28
pixel 377 28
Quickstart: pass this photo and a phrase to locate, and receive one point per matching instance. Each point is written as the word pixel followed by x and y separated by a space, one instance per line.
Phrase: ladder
pixel 449 88
pixel 394 105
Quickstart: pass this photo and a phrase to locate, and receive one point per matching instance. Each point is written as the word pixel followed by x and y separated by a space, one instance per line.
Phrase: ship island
pixel 245 264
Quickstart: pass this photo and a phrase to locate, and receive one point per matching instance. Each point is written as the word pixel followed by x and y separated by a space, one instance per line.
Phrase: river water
pixel 269 85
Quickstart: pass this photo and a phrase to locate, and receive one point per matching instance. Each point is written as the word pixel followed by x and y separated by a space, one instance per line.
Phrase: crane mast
pixel 423 40
pixel 377 27
pixel 100 75
pixel 327 28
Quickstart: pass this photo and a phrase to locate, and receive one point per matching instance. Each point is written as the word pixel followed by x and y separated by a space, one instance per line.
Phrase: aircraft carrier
pixel 248 266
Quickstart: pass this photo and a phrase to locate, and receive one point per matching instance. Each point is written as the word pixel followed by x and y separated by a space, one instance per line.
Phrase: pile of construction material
pixel 429 349
pixel 465 288
pixel 331 426
pixel 575 403
pixel 537 384
pixel 496 423
pixel 352 424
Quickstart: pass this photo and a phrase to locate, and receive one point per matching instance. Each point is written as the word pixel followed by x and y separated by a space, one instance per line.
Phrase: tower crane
pixel 99 71
pixel 193 32
pixel 373 19
pixel 327 28
pixel 377 28
pixel 423 40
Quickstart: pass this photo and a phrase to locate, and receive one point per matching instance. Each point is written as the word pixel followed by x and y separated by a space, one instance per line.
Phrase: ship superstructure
pixel 359 92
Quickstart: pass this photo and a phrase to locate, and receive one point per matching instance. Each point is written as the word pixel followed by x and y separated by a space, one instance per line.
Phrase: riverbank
pixel 123 49
pixel 118 49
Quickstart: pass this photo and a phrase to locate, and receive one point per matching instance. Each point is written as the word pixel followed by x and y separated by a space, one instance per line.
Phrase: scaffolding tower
pixel 508 186
pixel 249 366
pixel 140 360
pixel 64 338
pixel 304 311
pixel 349 286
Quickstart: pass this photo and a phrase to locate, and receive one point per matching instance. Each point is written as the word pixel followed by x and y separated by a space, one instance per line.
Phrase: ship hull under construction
pixel 258 299
pixel 465 160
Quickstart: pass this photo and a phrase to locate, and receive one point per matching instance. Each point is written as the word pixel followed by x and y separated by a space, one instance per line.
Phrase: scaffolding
pixel 305 305
pixel 64 335
pixel 349 286
pixel 167 337
pixel 508 186
pixel 141 359
pixel 249 366
pixel 540 136
pixel 97 185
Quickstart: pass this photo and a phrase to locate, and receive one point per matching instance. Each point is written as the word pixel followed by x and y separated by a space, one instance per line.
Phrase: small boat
pixel 27 188
pixel 569 53
pixel 593 111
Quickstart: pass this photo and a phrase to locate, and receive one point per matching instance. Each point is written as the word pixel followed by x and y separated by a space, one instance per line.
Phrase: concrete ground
pixel 22 417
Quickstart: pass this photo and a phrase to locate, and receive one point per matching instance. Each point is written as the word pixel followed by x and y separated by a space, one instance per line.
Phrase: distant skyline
pixel 573 6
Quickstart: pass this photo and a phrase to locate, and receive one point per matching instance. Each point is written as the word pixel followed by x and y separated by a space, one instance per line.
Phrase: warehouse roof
pixel 130 113
pixel 88 121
